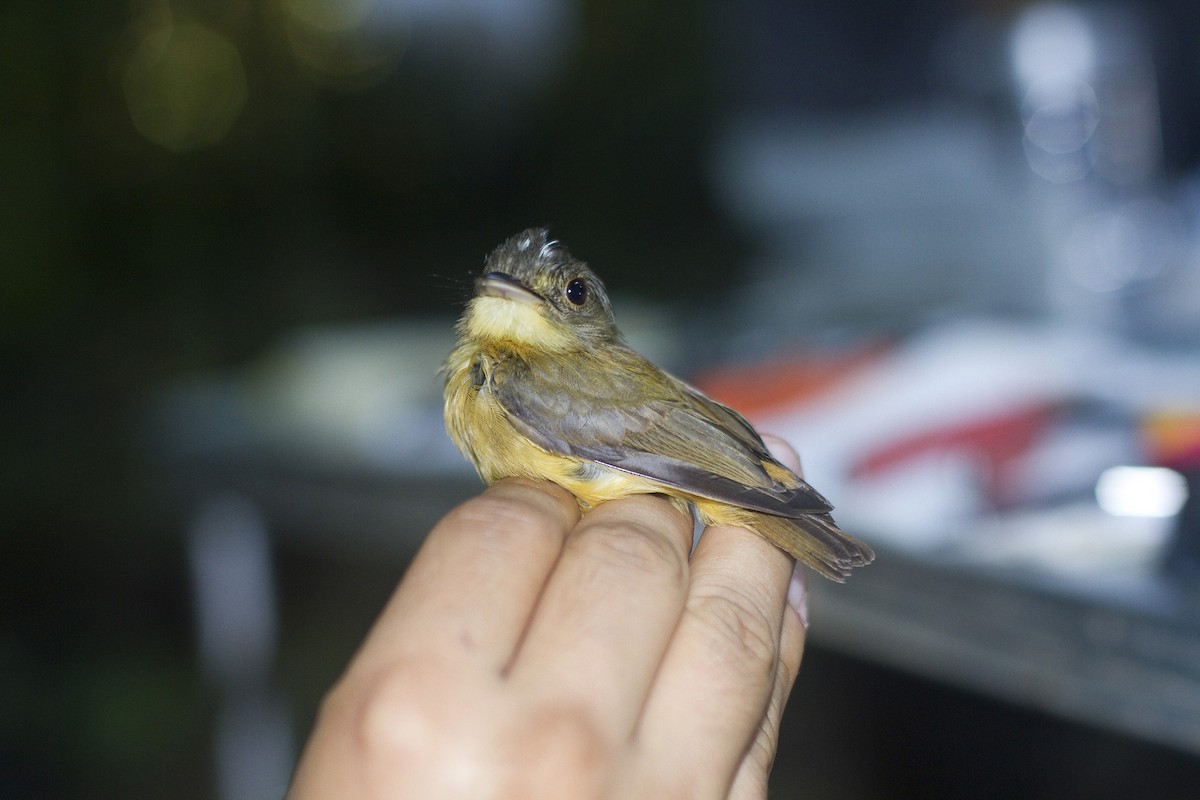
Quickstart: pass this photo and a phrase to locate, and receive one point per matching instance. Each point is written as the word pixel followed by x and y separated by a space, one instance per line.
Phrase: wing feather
pixel 640 420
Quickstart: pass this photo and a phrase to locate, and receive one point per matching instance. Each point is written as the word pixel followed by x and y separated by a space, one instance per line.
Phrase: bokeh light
pixel 335 44
pixel 184 85
pixel 1138 491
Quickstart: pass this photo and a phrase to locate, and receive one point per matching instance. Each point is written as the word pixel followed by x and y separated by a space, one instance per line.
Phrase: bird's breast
pixel 480 427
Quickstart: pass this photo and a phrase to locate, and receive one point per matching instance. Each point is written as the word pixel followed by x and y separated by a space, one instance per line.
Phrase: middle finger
pixel 608 611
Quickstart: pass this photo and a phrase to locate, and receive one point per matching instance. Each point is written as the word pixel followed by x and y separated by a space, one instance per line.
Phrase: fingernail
pixel 786 454
pixel 798 594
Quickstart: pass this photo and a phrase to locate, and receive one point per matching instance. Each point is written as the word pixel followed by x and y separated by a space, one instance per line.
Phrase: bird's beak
pixel 501 284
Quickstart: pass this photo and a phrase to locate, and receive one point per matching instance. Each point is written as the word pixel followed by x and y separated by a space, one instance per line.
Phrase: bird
pixel 542 384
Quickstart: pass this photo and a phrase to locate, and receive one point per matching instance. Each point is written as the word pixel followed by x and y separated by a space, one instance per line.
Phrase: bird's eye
pixel 577 291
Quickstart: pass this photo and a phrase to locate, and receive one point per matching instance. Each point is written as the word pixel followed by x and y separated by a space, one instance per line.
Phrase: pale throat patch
pixel 514 321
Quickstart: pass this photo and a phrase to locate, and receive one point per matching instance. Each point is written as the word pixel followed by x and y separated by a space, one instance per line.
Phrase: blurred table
pixel 1129 663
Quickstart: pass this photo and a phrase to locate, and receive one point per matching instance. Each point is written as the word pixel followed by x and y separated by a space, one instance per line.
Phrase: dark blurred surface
pixel 855 730
pixel 186 183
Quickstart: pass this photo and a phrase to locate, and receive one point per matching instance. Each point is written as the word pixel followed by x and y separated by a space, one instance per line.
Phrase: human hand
pixel 529 653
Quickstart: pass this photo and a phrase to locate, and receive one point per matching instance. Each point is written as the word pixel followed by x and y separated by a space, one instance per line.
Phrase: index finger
pixel 471 589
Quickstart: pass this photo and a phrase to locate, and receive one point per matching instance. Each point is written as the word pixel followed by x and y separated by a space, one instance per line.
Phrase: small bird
pixel 541 384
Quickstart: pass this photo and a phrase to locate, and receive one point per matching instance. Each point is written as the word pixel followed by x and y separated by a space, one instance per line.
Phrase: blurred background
pixel 949 249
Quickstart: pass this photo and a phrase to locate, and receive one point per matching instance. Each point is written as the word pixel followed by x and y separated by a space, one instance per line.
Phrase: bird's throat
pixel 515 324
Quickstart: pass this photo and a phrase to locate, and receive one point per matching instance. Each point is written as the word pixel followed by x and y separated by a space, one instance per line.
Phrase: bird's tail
pixel 814 539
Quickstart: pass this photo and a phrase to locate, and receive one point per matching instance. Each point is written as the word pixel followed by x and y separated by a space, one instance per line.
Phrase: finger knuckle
pixel 408 734
pixel 393 713
pixel 509 521
pixel 435 739
pixel 634 546
pixel 563 746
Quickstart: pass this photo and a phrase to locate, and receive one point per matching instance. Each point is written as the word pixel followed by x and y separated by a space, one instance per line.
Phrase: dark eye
pixel 577 291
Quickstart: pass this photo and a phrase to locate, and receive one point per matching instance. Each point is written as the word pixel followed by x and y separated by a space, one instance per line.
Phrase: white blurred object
pixel 1088 93
pixel 876 219
pixel 365 393
pixel 1073 540
pixel 1053 44
pixel 231 569
pixel 953 375
pixel 1139 491
pixel 236 619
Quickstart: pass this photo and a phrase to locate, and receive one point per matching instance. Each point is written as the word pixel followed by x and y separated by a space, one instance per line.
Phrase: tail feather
pixel 817 541
pixel 814 539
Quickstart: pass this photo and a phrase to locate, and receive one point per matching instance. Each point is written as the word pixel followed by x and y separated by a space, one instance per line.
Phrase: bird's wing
pixel 640 420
